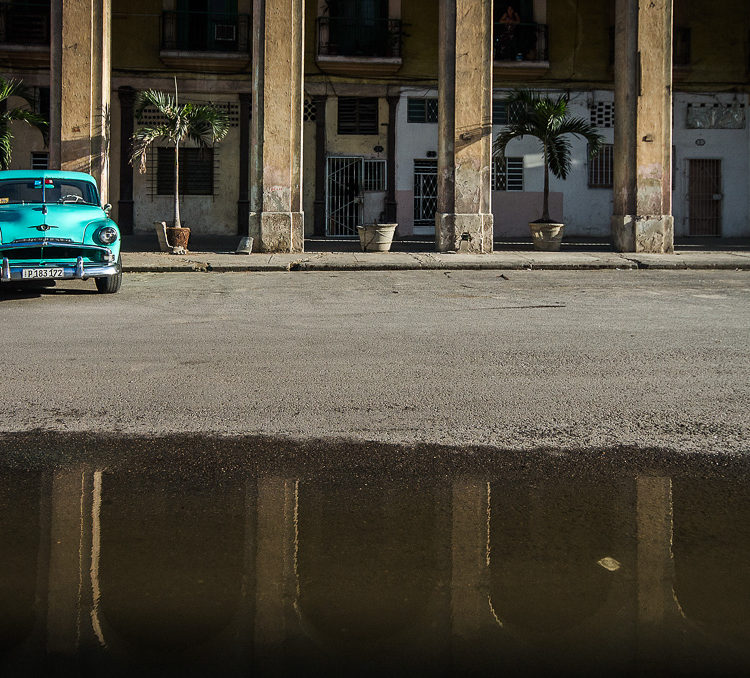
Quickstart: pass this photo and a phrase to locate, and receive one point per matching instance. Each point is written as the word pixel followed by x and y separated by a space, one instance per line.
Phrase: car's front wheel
pixel 111 283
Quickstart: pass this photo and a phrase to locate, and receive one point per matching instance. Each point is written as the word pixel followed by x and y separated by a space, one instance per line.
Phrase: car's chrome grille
pixel 17 240
pixel 52 253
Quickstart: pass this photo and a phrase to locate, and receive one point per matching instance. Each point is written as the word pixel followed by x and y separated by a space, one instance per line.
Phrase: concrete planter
pixel 170 237
pixel 546 236
pixel 376 237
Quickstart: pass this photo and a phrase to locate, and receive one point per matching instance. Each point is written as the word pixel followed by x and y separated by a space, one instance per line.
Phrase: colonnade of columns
pixel 641 220
pixel 72 602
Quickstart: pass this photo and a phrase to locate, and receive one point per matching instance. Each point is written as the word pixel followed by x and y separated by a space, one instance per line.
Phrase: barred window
pixel 358 115
pixel 507 174
pixel 196 171
pixel 374 175
pixel 600 167
pixel 40 160
pixel 421 109
pixel 504 113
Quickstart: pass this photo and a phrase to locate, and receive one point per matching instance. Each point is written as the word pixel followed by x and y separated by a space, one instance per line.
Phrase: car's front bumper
pixel 78 271
pixel 70 261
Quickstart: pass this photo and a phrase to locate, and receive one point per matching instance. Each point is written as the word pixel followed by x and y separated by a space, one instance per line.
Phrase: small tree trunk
pixel 545 204
pixel 177 222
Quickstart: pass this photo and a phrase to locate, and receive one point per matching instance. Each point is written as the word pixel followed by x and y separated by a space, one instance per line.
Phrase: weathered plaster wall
pixel 203 214
pixel 729 146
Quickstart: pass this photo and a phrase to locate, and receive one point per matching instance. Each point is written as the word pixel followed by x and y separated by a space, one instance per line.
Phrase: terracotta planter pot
pixel 178 237
pixel 546 236
pixel 376 237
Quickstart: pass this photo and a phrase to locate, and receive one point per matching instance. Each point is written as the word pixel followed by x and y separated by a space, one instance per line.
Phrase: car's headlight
pixel 106 235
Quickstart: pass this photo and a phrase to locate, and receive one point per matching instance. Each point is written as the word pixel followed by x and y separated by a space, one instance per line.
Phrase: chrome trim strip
pixel 69 272
pixel 41 242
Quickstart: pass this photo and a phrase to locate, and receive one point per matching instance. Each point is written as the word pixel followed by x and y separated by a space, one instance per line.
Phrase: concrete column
pixel 80 88
pixel 274 570
pixel 642 212
pixel 276 217
pixel 243 202
pixel 320 164
pixel 390 198
pixel 125 203
pixel 464 219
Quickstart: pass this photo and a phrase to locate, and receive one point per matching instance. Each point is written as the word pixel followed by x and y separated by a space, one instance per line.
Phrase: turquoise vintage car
pixel 53 226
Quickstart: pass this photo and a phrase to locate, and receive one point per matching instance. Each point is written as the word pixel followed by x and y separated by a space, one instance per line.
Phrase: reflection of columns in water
pixel 69 595
pixel 275 568
pixel 469 568
pixel 655 566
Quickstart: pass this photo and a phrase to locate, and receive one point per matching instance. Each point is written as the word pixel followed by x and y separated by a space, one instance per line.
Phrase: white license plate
pixel 42 273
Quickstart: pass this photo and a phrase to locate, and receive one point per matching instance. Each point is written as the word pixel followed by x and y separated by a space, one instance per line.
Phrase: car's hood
pixel 61 221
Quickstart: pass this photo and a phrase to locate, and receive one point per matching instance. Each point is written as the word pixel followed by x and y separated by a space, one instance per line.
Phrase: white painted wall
pixel 587 211
pixel 731 146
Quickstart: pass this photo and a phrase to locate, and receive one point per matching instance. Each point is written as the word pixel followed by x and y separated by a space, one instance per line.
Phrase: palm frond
pixel 559 156
pixel 31 118
pixel 163 102
pixel 142 139
pixel 6 143
pixel 207 125
pixel 14 88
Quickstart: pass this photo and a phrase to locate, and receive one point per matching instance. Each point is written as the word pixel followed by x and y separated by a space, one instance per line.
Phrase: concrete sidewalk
pixel 389 261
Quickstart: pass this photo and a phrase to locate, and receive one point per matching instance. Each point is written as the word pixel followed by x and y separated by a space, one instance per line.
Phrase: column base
pixel 465 233
pixel 652 233
pixel 278 231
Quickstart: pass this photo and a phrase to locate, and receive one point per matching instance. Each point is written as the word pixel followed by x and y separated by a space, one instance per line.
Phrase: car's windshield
pixel 36 190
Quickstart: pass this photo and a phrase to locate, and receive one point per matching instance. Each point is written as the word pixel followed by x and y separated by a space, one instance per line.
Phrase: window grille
pixel 309 111
pixel 150 116
pixel 196 171
pixel 603 114
pixel 421 109
pixel 374 175
pixel 40 160
pixel 507 174
pixel 600 167
pixel 504 113
pixel 358 115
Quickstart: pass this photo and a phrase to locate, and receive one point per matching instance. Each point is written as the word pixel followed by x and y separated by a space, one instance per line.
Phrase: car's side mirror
pixel 106 208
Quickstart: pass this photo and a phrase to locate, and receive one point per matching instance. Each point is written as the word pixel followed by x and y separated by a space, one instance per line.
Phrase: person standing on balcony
pixel 507 33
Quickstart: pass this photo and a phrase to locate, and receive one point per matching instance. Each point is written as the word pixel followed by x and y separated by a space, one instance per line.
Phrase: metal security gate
pixel 425 194
pixel 344 197
pixel 704 197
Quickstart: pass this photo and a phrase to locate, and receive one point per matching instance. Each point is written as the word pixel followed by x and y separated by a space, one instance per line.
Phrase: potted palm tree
pixel 203 124
pixel 15 88
pixel 548 120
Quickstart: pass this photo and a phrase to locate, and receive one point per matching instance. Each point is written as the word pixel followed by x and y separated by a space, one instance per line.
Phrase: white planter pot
pixel 376 237
pixel 546 236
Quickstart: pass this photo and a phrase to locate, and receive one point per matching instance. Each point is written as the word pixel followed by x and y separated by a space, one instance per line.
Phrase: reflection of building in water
pixel 198 570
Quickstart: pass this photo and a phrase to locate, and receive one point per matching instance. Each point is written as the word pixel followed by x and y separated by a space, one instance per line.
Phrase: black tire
pixel 111 283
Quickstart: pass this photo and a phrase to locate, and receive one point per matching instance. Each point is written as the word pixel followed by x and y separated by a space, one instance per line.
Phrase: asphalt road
pixel 517 360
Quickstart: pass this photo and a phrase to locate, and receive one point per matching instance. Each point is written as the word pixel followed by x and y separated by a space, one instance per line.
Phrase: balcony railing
pixel 205 32
pixel 520 42
pixel 370 38
pixel 24 23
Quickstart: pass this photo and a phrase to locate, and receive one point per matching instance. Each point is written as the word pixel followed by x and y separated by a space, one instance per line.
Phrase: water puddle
pixel 194 557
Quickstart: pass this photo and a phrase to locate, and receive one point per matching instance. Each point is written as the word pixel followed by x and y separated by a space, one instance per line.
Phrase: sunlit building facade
pixel 349 112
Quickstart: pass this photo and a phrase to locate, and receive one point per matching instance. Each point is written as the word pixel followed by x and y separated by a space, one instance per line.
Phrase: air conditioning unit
pixel 225 32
